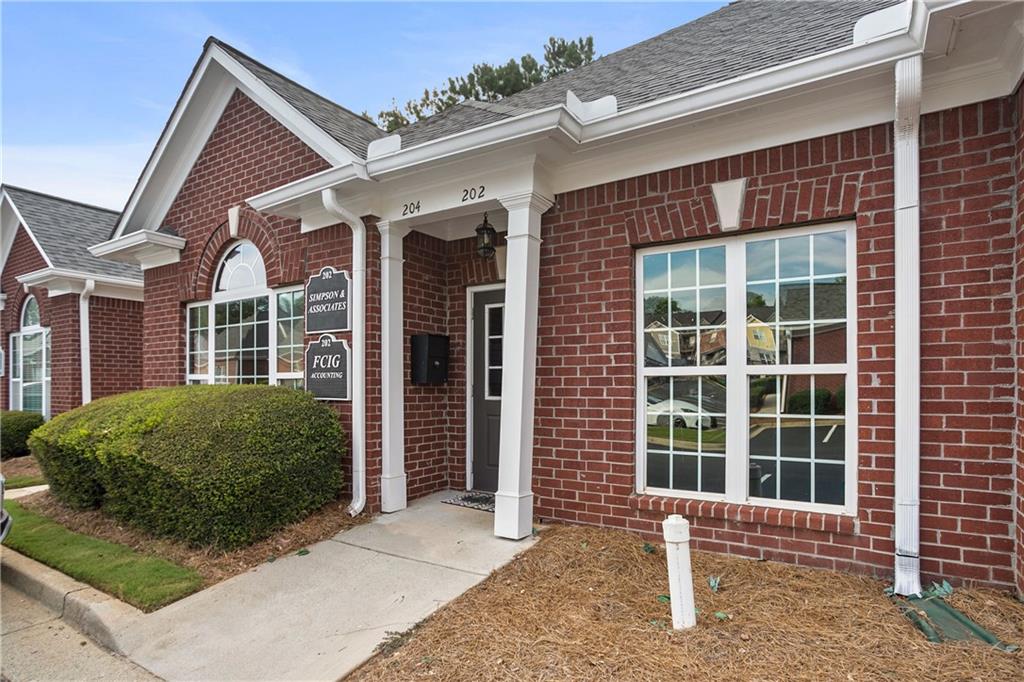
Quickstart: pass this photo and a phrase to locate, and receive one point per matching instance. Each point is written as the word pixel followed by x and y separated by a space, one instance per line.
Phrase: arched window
pixel 30 362
pixel 30 313
pixel 247 333
pixel 241 268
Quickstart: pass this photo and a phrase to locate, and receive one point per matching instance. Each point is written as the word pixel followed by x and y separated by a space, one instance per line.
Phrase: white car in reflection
pixel 682 414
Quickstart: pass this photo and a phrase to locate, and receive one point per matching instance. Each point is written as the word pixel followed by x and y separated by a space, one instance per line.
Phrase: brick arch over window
pixel 251 226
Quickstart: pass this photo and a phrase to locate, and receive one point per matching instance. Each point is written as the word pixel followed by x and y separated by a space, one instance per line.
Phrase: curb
pixel 95 614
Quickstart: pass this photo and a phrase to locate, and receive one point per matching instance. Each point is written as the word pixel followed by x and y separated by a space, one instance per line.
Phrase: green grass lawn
pixel 144 581
pixel 683 434
pixel 23 481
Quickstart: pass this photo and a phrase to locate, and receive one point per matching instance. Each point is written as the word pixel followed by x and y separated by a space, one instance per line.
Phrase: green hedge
pixel 210 465
pixel 800 402
pixel 14 430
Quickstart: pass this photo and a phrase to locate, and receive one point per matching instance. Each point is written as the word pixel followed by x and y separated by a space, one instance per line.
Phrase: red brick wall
pixel 1018 103
pixel 584 444
pixel 115 345
pixel 967 334
pixel 249 153
pixel 24 257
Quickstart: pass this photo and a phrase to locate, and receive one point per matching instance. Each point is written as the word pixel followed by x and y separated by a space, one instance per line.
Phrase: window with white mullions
pixel 494 330
pixel 771 318
pixel 246 333
pixel 30 362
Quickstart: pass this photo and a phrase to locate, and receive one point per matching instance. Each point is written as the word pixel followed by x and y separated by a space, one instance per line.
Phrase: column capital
pixel 388 228
pixel 531 200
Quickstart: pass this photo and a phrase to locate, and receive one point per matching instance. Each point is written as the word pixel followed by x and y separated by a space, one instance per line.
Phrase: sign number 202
pixel 473 193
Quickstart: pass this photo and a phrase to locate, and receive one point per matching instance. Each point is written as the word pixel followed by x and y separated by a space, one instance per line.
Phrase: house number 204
pixel 473 193
pixel 411 208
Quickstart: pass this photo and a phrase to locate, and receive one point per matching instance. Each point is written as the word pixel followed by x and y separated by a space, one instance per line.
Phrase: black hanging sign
pixel 327 302
pixel 329 368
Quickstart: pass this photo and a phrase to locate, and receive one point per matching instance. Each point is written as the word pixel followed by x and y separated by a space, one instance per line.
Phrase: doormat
pixel 473 500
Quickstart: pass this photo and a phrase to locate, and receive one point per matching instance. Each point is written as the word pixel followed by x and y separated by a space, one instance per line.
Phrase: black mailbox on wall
pixel 429 359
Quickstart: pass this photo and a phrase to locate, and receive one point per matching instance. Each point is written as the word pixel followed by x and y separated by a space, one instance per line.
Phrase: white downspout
pixel 334 207
pixel 83 339
pixel 907 248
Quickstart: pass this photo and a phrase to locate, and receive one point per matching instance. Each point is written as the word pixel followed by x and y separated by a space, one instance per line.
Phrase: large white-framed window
pixel 30 362
pixel 246 333
pixel 746 377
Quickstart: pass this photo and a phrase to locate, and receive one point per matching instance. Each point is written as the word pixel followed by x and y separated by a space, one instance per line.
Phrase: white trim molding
pixel 729 197
pixel 10 220
pixel 59 282
pixel 147 248
pixel 215 79
pixel 513 502
pixel 907 316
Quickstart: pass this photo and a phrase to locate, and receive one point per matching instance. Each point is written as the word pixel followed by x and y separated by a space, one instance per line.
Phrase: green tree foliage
pixel 490 83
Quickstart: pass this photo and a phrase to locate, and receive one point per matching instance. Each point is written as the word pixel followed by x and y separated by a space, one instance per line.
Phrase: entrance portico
pixel 446 216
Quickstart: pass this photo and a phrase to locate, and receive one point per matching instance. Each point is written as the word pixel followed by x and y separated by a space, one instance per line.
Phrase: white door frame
pixel 470 292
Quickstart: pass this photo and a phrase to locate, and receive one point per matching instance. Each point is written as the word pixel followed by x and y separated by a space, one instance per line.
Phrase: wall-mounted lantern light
pixel 485 238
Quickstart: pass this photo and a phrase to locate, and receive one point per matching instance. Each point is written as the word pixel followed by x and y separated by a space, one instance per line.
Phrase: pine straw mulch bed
pixel 213 565
pixel 20 466
pixel 583 604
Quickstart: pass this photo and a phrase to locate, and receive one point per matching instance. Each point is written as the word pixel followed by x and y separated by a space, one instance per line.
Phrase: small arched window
pixel 242 268
pixel 30 313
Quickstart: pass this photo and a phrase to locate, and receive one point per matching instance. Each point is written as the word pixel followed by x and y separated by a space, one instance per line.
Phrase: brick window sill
pixel 745 513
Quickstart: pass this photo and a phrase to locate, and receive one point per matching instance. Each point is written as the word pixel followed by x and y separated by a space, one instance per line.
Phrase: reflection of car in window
pixel 681 412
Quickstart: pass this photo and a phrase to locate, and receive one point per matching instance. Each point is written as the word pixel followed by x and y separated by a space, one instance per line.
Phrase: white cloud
pixel 100 174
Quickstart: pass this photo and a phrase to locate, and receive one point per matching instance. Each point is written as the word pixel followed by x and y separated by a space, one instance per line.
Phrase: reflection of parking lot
pixel 795 441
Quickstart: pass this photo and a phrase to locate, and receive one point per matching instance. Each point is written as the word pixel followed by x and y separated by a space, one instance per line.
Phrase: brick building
pixel 71 323
pixel 760 270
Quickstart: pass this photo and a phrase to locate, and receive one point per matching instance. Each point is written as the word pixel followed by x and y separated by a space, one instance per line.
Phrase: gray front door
pixel 488 333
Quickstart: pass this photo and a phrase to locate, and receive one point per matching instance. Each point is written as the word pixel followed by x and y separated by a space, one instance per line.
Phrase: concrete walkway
pixel 319 616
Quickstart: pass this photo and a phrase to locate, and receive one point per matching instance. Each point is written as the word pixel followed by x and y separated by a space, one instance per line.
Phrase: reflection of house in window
pixel 760 339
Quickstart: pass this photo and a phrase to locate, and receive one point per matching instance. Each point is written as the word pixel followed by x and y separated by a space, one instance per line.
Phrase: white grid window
pixel 747 371
pixel 30 362
pixel 229 337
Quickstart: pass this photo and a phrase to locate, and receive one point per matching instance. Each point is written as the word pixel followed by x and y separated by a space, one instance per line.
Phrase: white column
pixel 907 273
pixel 392 479
pixel 513 502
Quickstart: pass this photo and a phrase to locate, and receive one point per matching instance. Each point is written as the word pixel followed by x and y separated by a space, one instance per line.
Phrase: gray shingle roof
pixel 66 229
pixel 738 39
pixel 348 128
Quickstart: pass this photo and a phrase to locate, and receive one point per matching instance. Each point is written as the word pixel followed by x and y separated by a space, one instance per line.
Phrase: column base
pixel 513 515
pixel 393 493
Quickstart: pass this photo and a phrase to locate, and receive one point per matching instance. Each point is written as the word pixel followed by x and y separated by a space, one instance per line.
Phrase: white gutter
pixel 358 302
pixel 907 256
pixel 83 339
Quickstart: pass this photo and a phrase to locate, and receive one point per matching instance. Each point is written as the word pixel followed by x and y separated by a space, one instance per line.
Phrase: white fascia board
pixel 146 248
pixel 191 123
pixel 9 232
pixel 58 282
pixel 279 200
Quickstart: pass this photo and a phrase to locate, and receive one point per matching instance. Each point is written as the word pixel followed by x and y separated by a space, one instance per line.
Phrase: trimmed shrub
pixel 800 402
pixel 14 430
pixel 209 465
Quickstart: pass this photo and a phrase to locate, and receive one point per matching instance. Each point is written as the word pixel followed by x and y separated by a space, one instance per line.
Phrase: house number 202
pixel 473 193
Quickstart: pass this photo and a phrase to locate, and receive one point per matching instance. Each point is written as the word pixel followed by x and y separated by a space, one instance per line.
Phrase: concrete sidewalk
pixel 319 616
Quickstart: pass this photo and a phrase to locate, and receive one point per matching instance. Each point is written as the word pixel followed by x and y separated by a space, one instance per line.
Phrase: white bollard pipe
pixel 676 530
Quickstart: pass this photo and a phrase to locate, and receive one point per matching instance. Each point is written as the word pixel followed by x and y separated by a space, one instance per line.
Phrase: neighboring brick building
pixel 47 279
pixel 742 290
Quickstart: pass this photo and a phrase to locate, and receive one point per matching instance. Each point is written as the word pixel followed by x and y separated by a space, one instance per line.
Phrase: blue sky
pixel 87 87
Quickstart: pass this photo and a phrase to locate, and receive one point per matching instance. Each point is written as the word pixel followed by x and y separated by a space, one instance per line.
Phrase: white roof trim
pixel 58 281
pixel 9 232
pixel 145 248
pixel 216 77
